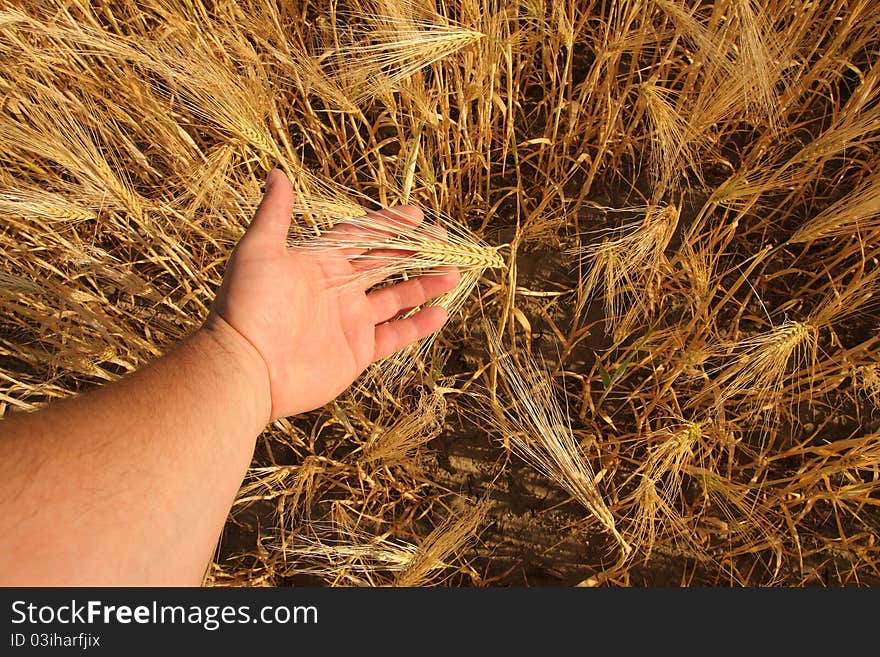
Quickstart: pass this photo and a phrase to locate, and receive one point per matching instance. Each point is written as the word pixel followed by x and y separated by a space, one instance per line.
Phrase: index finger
pixel 362 234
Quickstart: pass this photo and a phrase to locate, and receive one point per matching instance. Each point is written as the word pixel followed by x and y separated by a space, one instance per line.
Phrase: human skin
pixel 131 483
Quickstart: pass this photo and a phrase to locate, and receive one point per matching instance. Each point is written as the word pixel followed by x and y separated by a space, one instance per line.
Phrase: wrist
pixel 237 358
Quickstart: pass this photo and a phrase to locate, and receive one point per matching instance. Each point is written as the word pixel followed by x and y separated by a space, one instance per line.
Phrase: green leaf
pixel 605 376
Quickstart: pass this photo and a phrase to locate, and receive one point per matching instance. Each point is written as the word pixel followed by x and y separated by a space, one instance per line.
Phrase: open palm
pixel 314 333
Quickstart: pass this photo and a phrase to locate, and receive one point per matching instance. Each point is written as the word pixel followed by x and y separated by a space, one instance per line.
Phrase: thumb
pixel 272 219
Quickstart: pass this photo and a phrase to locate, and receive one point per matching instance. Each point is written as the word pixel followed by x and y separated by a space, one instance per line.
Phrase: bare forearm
pixel 132 483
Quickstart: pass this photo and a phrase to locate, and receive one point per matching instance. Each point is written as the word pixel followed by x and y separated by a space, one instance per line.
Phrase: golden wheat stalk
pixel 322 204
pixel 312 79
pixel 698 263
pixel 856 213
pixel 540 433
pixel 845 300
pixel 56 134
pixel 206 83
pixel 854 127
pixel 745 515
pixel 759 365
pixel 657 496
pixel 712 48
pixel 759 61
pixel 436 242
pixel 464 256
pixel 392 49
pixel 14 284
pixel 347 555
pixel 742 189
pixel 867 379
pixel 24 202
pixel 674 141
pixel 342 554
pixel 216 93
pixel 446 541
pixel 742 61
pixel 280 481
pixel 418 249
pixel 626 267
pixel 397 444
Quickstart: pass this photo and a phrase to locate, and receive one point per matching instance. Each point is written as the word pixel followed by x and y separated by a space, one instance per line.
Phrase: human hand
pixel 285 306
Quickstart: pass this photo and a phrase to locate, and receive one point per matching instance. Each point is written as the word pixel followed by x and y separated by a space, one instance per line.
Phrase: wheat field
pixel 662 364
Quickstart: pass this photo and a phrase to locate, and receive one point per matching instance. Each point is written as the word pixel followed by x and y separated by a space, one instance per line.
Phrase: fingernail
pixel 272 178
